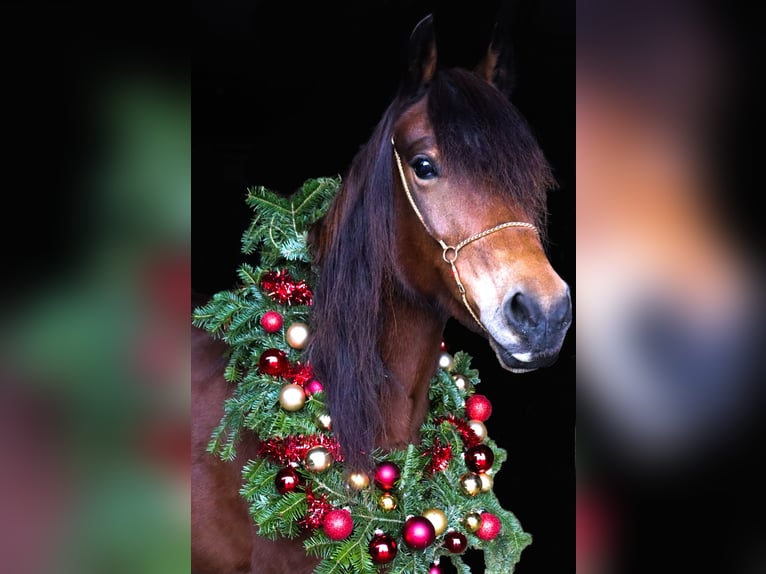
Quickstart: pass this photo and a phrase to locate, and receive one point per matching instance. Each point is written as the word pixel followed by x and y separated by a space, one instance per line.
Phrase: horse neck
pixel 410 349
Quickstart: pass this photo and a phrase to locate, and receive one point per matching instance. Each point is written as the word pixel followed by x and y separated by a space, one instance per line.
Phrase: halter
pixel 450 252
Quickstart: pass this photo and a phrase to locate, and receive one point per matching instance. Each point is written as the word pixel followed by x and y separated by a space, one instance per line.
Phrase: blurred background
pixel 94 337
pixel 670 394
pixel 284 94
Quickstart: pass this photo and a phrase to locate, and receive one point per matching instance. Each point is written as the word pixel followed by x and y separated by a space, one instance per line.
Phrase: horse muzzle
pixel 533 333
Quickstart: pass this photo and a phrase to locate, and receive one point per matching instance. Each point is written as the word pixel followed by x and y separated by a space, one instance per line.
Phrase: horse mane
pixel 478 132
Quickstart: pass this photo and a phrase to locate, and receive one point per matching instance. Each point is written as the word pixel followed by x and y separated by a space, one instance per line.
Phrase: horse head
pixel 470 170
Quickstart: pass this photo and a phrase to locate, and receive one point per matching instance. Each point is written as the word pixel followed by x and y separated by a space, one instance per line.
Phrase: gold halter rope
pixel 450 252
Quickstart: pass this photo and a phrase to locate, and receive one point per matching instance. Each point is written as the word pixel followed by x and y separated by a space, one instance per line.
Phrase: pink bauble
pixel 434 569
pixel 478 407
pixel 386 475
pixel 271 321
pixel 418 532
pixel 338 524
pixel 313 386
pixel 489 526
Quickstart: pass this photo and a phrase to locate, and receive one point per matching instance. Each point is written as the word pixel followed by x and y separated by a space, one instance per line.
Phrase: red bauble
pixel 478 407
pixel 273 362
pixel 455 542
pixel 287 480
pixel 434 569
pixel 419 532
pixel 386 475
pixel 489 526
pixel 338 524
pixel 382 549
pixel 271 321
pixel 479 458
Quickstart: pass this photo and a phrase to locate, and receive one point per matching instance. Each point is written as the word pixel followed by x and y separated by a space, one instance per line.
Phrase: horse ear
pixel 422 53
pixel 497 64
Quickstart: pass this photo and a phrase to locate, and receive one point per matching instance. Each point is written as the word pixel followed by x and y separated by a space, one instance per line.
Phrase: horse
pixel 441 214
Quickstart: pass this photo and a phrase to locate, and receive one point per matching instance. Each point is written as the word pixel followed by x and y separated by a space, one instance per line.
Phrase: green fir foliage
pixel 278 235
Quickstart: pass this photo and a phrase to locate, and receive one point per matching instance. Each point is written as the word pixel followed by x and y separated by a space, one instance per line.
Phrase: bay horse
pixel 440 215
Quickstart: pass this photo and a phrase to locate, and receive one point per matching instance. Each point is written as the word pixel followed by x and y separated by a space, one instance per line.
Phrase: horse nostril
pixel 561 314
pixel 523 313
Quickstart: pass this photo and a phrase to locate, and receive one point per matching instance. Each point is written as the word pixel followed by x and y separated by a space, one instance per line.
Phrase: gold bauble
pixel 486 481
pixel 358 480
pixel 324 421
pixel 387 501
pixel 460 382
pixel 292 397
pixel 438 519
pixel 478 428
pixel 297 335
pixel 318 459
pixel 470 483
pixel 472 521
pixel 446 361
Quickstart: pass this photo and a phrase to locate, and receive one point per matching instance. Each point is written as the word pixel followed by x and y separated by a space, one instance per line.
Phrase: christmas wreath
pixel 421 504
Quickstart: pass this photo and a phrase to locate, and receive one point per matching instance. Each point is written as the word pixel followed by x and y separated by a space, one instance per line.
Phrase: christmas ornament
pixel 479 458
pixel 470 483
pixel 297 335
pixel 382 548
pixel 386 475
pixel 317 508
pixel 486 482
pixel 418 532
pixel 271 321
pixel 324 421
pixel 313 386
pixel 292 397
pixel 273 362
pixel 293 449
pixel 338 524
pixel 434 569
pixel 299 374
pixel 478 407
pixel 489 527
pixel 440 457
pixel 478 428
pixel 438 519
pixel 357 480
pixel 287 480
pixel 472 521
pixel 387 502
pixel 461 382
pixel 446 361
pixel 455 542
pixel 281 288
pixel 318 459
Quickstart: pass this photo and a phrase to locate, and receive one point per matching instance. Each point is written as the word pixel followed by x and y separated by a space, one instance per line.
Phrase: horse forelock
pixel 483 137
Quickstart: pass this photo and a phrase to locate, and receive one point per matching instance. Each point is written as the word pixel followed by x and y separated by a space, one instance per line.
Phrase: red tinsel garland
pixel 440 456
pixel 299 373
pixel 281 288
pixel 461 425
pixel 294 448
pixel 318 507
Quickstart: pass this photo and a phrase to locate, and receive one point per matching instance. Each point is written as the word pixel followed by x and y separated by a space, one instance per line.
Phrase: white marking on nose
pixel 523 357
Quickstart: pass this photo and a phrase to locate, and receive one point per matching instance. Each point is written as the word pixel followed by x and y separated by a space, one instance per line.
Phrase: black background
pixel 282 93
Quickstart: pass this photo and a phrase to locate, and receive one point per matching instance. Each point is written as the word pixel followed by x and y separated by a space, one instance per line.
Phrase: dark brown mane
pixel 481 136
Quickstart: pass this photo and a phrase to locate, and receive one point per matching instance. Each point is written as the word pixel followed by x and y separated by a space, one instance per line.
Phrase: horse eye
pixel 424 168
